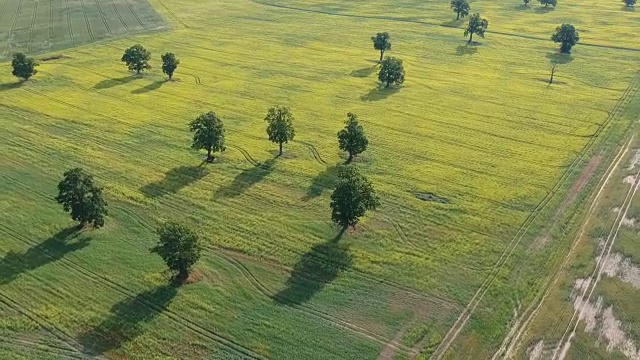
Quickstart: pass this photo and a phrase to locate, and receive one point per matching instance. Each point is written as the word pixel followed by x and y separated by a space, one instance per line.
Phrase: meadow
pixel 476 126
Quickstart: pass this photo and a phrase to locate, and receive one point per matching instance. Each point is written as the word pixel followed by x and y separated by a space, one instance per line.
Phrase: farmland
pixel 509 158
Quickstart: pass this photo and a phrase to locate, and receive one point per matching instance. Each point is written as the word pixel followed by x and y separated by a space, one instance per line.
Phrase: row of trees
pixel 137 59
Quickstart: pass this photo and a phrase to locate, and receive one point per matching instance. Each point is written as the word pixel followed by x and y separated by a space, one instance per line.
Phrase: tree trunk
pixel 470 37
pixel 553 70
pixel 209 157
pixel 458 17
pixel 350 157
pixel 280 154
pixel 138 72
pixel 170 76
pixel 381 55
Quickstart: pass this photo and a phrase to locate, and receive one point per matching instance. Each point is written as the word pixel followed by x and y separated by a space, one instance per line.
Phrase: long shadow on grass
pixel 153 86
pixel 323 181
pixel 174 180
pixel 13 264
pixel 462 50
pixel 364 72
pixel 379 93
pixel 246 179
pixel 315 270
pixel 127 320
pixel 109 83
pixel 10 86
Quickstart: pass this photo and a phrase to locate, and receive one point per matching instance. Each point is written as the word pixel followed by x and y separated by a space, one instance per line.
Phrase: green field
pixel 478 126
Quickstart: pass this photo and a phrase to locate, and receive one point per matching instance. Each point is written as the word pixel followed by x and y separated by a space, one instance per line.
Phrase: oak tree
pixel 179 247
pixel 352 198
pixel 567 36
pixel 136 58
pixel 169 64
pixel 546 3
pixel 23 67
pixel 382 43
pixel 391 71
pixel 82 198
pixel 352 138
pixel 460 7
pixel 280 125
pixel 208 134
pixel 476 25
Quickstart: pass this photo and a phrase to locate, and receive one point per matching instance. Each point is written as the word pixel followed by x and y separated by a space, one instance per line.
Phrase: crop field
pixel 36 26
pixel 483 170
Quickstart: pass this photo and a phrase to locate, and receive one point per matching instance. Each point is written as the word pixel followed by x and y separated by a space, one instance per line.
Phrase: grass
pixel 480 128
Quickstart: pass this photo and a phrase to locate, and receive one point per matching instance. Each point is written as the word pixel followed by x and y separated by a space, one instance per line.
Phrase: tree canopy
pixel 460 7
pixel 136 58
pixel 208 134
pixel 567 36
pixel 476 25
pixel 23 67
pixel 179 247
pixel 526 2
pixel 352 198
pixel 548 2
pixel 352 138
pixel 169 64
pixel 82 198
pixel 382 43
pixel 280 125
pixel 629 3
pixel 391 71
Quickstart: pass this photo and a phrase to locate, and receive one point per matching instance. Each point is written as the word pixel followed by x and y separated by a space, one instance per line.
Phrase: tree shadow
pixel 521 7
pixel 151 87
pixel 453 23
pixel 11 86
pixel 379 93
pixel 13 264
pixel 127 319
pixel 468 49
pixel 559 58
pixel 544 10
pixel 629 8
pixel 174 180
pixel 316 269
pixel 364 72
pixel 321 182
pixel 109 83
pixel 246 179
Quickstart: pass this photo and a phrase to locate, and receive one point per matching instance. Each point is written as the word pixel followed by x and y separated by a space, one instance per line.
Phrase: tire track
pixel 40 347
pixel 563 346
pixel 32 25
pixel 69 27
pixel 104 19
pixel 314 152
pixel 133 12
pixel 13 27
pixel 163 310
pixel 246 154
pixel 115 9
pixel 512 340
pixel 50 35
pixel 86 19
pixel 173 15
pixel 197 79
pixel 461 321
pixel 3 8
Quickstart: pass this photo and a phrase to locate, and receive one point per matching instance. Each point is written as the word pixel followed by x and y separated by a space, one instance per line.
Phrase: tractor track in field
pixel 462 320
pixel 512 341
pixel 104 19
pixel 32 25
pixel 314 152
pixel 427 23
pixel 197 79
pixel 13 27
pixel 133 12
pixel 86 19
pixel 69 27
pixel 246 154
pixel 173 15
pixel 50 29
pixel 40 347
pixel 162 310
pixel 4 7
pixel 115 9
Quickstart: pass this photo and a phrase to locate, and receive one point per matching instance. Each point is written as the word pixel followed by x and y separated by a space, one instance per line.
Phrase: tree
pixel 477 26
pixel 548 2
pixel 352 197
pixel 629 3
pixel 179 247
pixel 136 58
pixel 382 43
pixel 23 67
pixel 208 134
pixel 460 7
pixel 526 2
pixel 169 64
pixel 352 139
pixel 391 71
pixel 82 198
pixel 280 125
pixel 567 36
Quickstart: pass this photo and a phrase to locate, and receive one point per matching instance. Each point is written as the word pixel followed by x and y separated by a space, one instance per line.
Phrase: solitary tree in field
pixel 82 198
pixel 179 247
pixel 629 3
pixel 548 2
pixel 567 36
pixel 382 43
pixel 208 134
pixel 352 139
pixel 169 64
pixel 23 67
pixel 391 71
pixel 137 58
pixel 477 26
pixel 352 197
pixel 280 125
pixel 526 2
pixel 460 7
